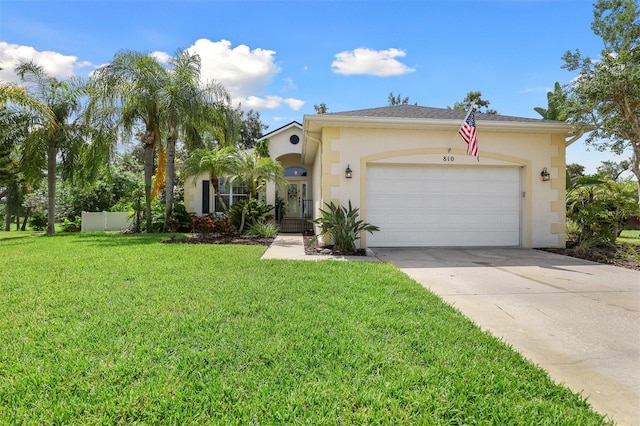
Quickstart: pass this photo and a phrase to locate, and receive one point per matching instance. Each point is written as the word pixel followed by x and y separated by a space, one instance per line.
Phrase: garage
pixel 439 206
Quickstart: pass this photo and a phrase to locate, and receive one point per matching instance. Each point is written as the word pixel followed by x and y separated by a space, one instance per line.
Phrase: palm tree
pixel 47 138
pixel 556 100
pixel 185 107
pixel 16 95
pixel 254 171
pixel 216 163
pixel 14 127
pixel 130 88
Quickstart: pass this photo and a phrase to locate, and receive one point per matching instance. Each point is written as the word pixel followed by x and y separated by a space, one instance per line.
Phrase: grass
pixel 110 329
pixel 629 236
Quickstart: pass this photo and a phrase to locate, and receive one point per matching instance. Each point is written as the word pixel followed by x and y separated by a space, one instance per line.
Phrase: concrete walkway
pixel 286 246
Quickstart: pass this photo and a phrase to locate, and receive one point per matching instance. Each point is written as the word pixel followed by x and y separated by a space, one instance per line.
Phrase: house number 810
pixel 447 158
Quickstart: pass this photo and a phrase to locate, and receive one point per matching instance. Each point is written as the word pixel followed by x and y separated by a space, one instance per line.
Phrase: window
pixel 295 172
pixel 230 193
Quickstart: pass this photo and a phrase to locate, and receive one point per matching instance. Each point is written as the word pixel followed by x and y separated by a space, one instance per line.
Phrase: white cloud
pixel 244 72
pixel 381 63
pixel 294 104
pixel 55 64
pixel 162 57
pixel 268 102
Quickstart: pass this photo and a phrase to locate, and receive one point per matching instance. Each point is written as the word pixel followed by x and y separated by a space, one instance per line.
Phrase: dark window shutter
pixel 205 197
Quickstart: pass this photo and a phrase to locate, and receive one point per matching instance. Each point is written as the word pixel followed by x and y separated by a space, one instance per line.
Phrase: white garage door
pixel 443 206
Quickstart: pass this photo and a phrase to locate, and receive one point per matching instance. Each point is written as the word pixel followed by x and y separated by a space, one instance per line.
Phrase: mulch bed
pixel 621 255
pixel 312 248
pixel 197 239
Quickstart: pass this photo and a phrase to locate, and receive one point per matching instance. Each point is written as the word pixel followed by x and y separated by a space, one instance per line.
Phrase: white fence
pixel 105 221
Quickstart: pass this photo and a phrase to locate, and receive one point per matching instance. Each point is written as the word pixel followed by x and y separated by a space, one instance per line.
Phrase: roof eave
pixel 314 123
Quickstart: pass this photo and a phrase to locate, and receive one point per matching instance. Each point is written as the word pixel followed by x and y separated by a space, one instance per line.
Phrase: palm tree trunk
pixel 215 183
pixel 148 176
pixel 170 177
pixel 51 189
pixel 245 209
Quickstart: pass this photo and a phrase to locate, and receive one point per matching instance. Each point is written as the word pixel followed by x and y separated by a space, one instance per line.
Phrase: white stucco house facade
pixel 411 176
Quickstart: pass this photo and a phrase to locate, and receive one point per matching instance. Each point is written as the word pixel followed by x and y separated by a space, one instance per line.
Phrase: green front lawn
pixel 110 329
pixel 629 236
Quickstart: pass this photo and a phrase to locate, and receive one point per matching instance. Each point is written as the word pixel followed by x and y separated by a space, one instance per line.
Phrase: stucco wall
pixel 542 211
pixel 193 193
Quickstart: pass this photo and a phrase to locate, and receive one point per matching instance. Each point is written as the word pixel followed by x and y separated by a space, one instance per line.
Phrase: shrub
pixel 342 226
pixel 72 225
pixel 208 227
pixel 38 221
pixel 599 212
pixel 264 229
pixel 180 220
pixel 256 212
pixel 202 225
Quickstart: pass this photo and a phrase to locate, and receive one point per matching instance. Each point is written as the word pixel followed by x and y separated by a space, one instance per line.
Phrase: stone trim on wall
pixel 329 157
pixel 558 183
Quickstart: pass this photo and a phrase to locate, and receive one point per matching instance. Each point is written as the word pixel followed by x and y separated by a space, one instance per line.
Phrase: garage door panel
pixel 443 206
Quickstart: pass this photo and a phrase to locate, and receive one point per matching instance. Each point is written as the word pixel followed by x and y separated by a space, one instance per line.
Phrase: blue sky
pixel 282 57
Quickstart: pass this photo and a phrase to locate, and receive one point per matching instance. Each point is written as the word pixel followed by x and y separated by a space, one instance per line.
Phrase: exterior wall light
pixel 545 175
pixel 348 173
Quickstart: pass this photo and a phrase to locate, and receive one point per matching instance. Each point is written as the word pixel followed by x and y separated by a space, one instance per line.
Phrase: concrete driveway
pixel 578 320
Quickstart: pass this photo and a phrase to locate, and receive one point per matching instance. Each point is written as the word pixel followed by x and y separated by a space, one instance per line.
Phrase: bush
pixel 264 229
pixel 180 220
pixel 256 212
pixel 342 226
pixel 72 225
pixel 599 212
pixel 208 227
pixel 38 221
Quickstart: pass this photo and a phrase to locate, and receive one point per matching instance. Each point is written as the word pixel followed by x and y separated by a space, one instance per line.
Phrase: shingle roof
pixel 286 126
pixel 415 111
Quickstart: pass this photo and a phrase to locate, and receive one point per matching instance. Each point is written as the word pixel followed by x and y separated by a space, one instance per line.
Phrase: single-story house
pixel 408 171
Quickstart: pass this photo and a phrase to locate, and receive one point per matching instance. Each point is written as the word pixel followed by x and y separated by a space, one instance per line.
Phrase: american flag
pixel 468 133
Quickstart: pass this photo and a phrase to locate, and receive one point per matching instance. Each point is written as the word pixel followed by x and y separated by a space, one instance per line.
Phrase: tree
pixel 130 88
pixel 251 129
pixel 65 136
pixel 117 181
pixel 606 93
pixel 556 100
pixel 184 107
pixel 14 128
pixel 321 108
pixel 575 169
pixel 216 163
pixel 254 171
pixel 474 98
pixel 612 170
pixel 398 100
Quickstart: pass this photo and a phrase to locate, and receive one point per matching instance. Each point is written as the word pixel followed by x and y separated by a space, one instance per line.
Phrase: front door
pixel 296 194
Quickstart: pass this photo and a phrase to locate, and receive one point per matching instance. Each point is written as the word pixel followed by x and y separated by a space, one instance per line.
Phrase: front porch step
pixel 294 226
